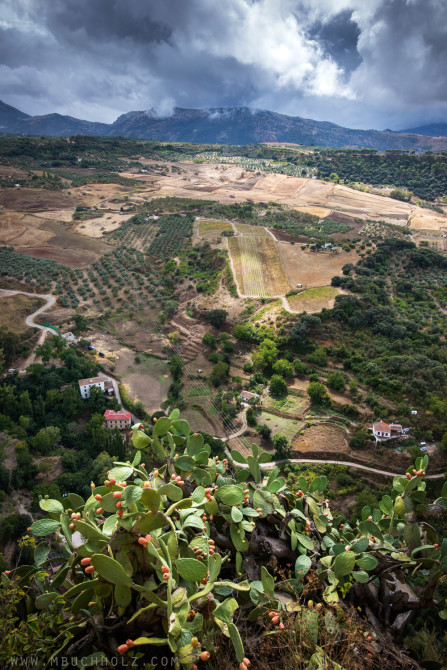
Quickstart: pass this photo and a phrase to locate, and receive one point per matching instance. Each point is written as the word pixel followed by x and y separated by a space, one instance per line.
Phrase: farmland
pixel 15 308
pixel 257 266
pixel 287 427
pixel 252 231
pixel 211 229
pixel 173 231
pixel 291 404
pixel 313 300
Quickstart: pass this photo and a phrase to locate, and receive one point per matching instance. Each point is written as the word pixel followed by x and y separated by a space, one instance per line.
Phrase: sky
pixel 359 63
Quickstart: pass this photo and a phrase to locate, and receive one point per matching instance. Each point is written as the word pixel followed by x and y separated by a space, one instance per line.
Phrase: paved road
pixel 315 461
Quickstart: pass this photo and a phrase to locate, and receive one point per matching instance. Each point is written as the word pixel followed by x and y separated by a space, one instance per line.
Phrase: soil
pixel 33 199
pixel 322 437
pixel 313 268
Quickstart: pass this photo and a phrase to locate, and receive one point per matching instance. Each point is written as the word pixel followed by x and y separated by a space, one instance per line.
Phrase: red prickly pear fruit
pixel 318 606
pixel 72 526
pixel 99 510
pixel 415 471
pixel 155 473
pixel 155 419
pixel 181 482
pixel 148 537
pixel 173 477
pixel 347 548
pixel 275 619
pixel 408 475
pixel 211 517
pixel 98 496
pixel 204 656
pixel 370 518
pixel 166 576
pixel 436 545
pixel 89 569
pixel 86 561
pixel 123 484
pixel 281 626
pixel 117 494
pixel 247 662
pixel 130 643
pixel 123 648
pixel 107 483
pixel 146 485
pixel 164 568
pixel 369 638
pixel 299 494
pixel 242 666
pixel 142 541
pixel 112 480
pixel 6 572
pixel 92 486
pixel 119 512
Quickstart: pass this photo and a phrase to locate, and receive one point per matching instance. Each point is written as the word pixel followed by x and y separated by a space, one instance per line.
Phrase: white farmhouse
pixel 386 431
pixel 86 384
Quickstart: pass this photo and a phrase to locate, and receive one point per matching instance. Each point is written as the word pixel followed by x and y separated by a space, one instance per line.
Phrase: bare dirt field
pixel 34 199
pixel 15 308
pixel 98 227
pixel 322 437
pixel 313 300
pixel 312 268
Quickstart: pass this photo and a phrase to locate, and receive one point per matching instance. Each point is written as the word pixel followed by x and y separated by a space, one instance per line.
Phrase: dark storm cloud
pixel 376 63
pixel 338 37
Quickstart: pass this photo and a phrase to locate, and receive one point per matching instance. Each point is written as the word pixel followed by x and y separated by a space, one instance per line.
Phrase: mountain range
pixel 221 125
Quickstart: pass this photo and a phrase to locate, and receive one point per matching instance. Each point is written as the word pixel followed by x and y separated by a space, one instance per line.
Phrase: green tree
pixel 336 381
pixel 219 373
pixel 266 355
pixel 278 387
pixel 283 368
pixel 264 431
pixel 216 317
pixel 251 416
pixel 282 447
pixel 209 340
pixel 318 394
pixel 318 357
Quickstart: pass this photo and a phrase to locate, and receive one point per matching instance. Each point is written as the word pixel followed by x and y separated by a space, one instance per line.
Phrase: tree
pixel 282 447
pixel 318 394
pixel 266 355
pixel 318 357
pixel 216 317
pixel 283 368
pixel 277 387
pixel 359 440
pixel 209 340
pixel 336 381
pixel 300 367
pixel 251 416
pixel 46 439
pixel 81 323
pixel 219 373
pixel 264 431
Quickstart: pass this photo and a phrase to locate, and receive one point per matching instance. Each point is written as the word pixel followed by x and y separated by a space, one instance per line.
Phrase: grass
pixel 252 231
pixel 217 227
pixel 312 300
pixel 289 405
pixel 287 427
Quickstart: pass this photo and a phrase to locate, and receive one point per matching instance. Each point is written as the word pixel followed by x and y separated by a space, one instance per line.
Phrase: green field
pixel 292 405
pixel 211 228
pixel 278 424
pixel 313 300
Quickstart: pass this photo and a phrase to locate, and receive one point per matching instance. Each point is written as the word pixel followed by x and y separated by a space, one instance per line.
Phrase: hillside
pixel 238 125
pixel 432 129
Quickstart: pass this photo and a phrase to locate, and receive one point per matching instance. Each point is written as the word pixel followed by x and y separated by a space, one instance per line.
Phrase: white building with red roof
pixel 121 420
pixel 386 431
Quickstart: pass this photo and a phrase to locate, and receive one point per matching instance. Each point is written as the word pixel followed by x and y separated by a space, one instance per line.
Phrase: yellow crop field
pixel 257 266
pixel 210 228
pixel 256 231
pixel 314 299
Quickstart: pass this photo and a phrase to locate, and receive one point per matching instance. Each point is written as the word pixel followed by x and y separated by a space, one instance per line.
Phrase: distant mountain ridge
pixel 432 129
pixel 220 125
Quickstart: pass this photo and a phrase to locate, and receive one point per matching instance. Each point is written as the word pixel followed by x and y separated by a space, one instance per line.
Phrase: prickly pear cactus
pixel 161 557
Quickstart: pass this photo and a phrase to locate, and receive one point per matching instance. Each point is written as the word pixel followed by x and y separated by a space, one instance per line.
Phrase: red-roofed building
pixel 121 420
pixel 386 431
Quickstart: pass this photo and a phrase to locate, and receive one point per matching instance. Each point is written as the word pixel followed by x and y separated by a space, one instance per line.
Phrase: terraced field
pixel 257 266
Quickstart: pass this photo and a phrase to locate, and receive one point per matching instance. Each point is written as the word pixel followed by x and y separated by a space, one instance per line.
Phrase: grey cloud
pixel 376 63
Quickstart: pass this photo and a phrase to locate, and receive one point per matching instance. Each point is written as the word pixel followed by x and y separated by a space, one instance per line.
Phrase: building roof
pixel 382 426
pixel 248 395
pixel 111 415
pixel 92 380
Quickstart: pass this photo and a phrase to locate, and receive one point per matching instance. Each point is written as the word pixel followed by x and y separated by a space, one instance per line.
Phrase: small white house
pixel 86 384
pixel 248 397
pixel 386 431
